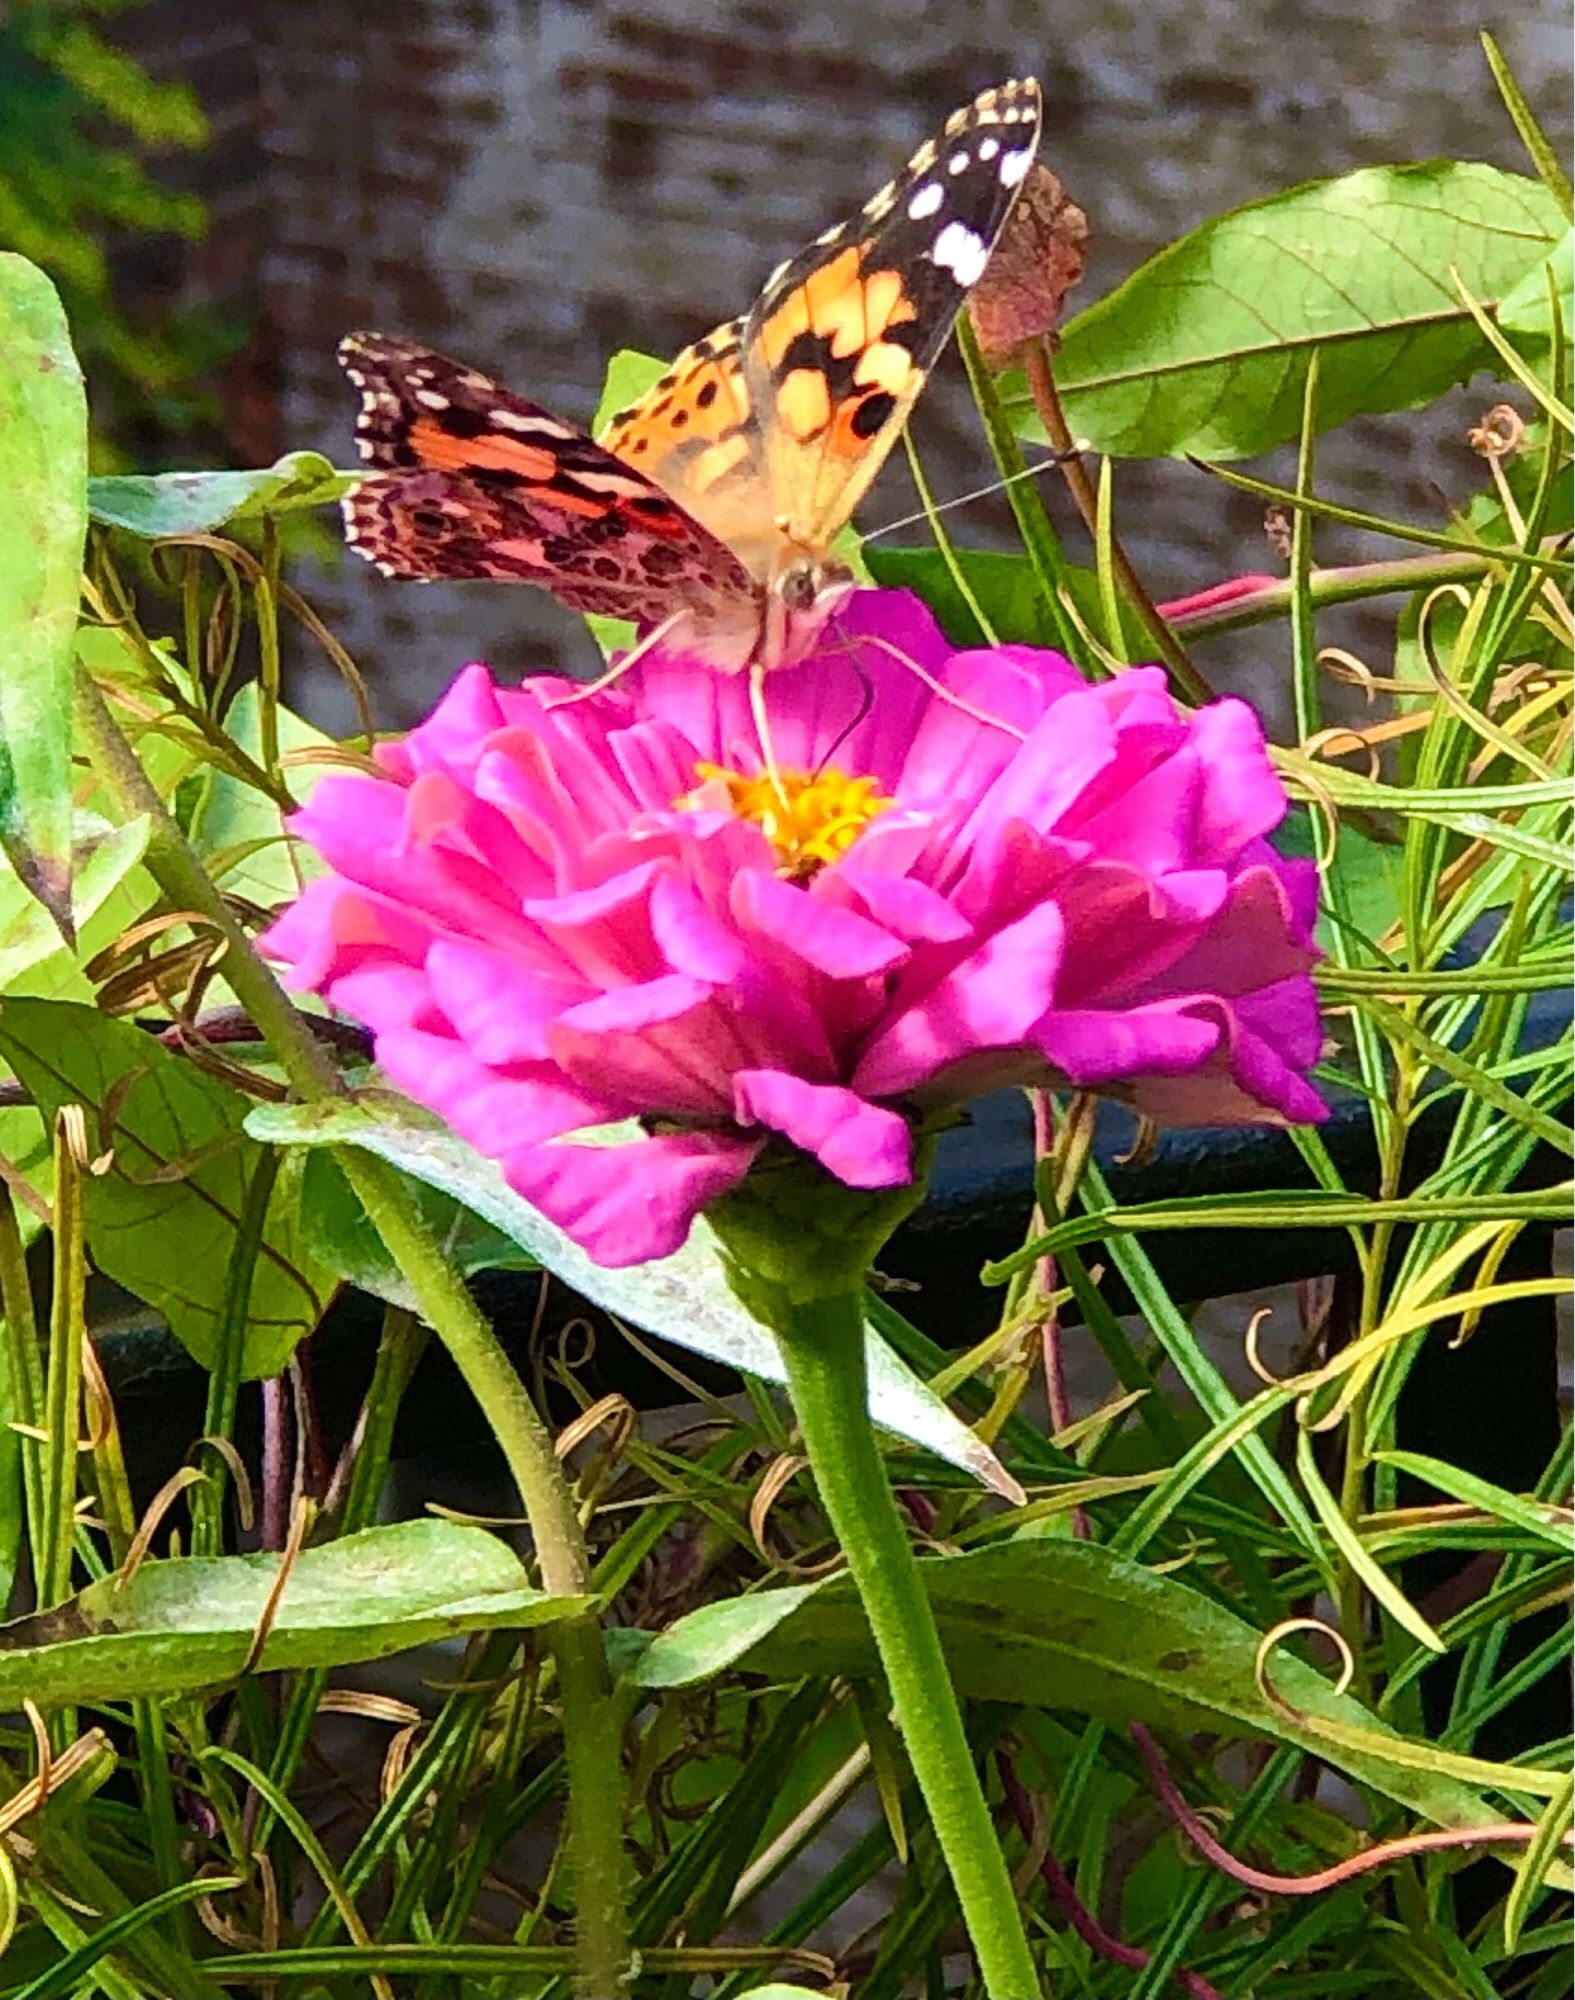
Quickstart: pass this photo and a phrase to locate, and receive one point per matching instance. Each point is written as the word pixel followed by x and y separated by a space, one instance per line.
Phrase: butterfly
pixel 715 499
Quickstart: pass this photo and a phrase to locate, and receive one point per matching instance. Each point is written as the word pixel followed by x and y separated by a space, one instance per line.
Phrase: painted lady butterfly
pixel 716 497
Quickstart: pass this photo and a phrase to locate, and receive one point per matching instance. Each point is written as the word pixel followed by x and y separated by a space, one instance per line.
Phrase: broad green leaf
pixel 43 473
pixel 190 1622
pixel 1064 1625
pixel 1370 873
pixel 684 1298
pixel 629 374
pixel 102 857
pixel 162 1220
pixel 1204 349
pixel 195 503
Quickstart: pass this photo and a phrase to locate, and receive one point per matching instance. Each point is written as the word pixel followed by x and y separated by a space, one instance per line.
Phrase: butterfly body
pixel 712 502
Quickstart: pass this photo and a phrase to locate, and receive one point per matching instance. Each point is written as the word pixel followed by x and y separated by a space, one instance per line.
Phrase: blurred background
pixel 222 191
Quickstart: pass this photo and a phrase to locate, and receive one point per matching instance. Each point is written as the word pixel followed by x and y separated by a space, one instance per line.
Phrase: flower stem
pixel 591 1725
pixel 822 1343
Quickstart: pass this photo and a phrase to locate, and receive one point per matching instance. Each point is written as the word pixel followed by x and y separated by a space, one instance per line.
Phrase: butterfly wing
pixel 469 480
pixel 844 336
pixel 696 433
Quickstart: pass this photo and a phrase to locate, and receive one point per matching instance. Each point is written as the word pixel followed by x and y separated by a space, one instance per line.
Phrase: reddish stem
pixel 1179 609
pixel 1078 1915
pixel 1505 1832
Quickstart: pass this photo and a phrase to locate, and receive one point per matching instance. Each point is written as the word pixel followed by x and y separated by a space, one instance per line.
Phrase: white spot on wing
pixel 926 201
pixel 431 399
pixel 509 420
pixel 957 164
pixel 1014 165
pixel 988 148
pixel 962 251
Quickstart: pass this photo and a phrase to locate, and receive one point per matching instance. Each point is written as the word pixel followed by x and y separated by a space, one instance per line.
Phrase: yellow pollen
pixel 810 819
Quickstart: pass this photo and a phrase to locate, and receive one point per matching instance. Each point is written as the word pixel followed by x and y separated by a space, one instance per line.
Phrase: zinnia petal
pixel 948 870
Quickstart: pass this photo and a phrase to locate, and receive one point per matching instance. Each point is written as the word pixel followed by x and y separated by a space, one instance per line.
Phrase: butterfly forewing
pixel 845 334
pixel 468 480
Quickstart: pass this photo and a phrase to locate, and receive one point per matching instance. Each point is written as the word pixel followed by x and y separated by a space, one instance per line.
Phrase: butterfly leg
pixel 616 672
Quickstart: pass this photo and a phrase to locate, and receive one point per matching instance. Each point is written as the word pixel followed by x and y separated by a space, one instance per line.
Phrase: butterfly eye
pixel 800 586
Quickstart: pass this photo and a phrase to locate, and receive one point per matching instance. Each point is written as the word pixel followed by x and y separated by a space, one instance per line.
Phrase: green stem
pixel 26 1368
pixel 822 1344
pixel 1047 401
pixel 1028 508
pixel 592 1734
pixel 63 1386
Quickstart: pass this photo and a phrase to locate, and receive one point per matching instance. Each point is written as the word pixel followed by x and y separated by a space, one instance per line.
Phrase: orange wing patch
pixel 696 433
pixel 439 447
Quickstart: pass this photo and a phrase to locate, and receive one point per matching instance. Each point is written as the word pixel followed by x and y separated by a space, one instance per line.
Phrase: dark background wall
pixel 534 183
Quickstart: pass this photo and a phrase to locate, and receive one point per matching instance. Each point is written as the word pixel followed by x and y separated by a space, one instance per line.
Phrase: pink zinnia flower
pixel 561 917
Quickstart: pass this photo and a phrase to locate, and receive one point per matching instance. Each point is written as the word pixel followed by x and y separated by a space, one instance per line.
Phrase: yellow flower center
pixel 809 818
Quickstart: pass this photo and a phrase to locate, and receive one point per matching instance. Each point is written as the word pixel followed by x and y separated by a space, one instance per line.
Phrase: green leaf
pixel 342 1236
pixel 1365 879
pixel 1526 309
pixel 43 473
pixel 1204 349
pixel 1006 586
pixel 684 1298
pixel 1069 1626
pixel 190 1623
pixel 162 1220
pixel 102 856
pixel 195 503
pixel 629 374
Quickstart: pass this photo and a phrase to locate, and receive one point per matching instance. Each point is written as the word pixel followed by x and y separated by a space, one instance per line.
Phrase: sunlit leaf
pixel 1204 349
pixel 190 1622
pixel 43 469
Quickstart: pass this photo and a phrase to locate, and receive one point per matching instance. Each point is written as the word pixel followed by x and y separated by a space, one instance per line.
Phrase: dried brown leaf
pixel 1039 258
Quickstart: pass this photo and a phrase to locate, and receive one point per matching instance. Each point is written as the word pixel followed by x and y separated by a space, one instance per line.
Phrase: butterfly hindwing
pixel 469 480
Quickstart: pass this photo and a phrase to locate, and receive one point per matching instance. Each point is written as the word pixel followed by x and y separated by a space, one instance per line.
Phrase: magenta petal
pixel 498 1005
pixel 907 908
pixel 629 1204
pixel 479 1102
pixel 991 1001
pixel 1243 798
pixel 858 1142
pixel 1091 1047
pixel 837 942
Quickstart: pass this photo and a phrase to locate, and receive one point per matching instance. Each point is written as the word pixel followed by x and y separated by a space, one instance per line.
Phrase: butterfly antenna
pixel 979 492
pixel 621 666
pixel 944 693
